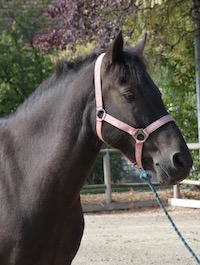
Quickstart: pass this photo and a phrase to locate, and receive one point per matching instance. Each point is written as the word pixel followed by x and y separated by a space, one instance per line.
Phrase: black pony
pixel 48 147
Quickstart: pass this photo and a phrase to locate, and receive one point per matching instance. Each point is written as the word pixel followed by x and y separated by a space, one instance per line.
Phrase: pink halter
pixel 140 135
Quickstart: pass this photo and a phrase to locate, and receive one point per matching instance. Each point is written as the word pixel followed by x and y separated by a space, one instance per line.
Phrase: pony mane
pixel 67 68
pixel 64 66
pixel 63 69
pixel 74 65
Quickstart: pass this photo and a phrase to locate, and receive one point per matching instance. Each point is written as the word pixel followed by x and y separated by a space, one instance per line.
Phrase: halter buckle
pixel 101 113
pixel 140 135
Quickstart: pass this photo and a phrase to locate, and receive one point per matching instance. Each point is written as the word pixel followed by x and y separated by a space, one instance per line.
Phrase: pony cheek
pixel 119 140
pixel 128 149
pixel 129 154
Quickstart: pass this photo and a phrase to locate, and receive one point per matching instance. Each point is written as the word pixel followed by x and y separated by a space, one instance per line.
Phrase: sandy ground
pixel 139 237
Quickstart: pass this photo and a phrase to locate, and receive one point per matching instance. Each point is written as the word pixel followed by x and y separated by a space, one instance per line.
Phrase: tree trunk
pixel 196 20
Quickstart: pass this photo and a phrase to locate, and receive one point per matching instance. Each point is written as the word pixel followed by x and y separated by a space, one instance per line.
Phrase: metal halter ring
pixel 101 113
pixel 140 135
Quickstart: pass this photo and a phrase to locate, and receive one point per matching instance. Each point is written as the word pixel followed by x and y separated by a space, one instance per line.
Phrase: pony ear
pixel 139 48
pixel 114 51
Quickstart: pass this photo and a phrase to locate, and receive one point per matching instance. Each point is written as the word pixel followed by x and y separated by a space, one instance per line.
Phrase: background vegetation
pixel 22 66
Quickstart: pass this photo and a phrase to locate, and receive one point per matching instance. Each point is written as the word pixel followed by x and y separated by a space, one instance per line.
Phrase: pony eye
pixel 129 96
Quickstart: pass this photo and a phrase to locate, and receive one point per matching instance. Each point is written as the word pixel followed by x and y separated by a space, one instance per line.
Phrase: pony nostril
pixel 179 161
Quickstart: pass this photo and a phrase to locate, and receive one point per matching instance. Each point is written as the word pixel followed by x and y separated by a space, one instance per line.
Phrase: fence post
pixel 176 189
pixel 107 176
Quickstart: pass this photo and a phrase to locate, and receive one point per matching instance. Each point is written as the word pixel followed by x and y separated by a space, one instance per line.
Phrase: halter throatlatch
pixel 140 135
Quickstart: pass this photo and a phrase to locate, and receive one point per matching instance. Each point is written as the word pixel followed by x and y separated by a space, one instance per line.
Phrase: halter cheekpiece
pixel 140 135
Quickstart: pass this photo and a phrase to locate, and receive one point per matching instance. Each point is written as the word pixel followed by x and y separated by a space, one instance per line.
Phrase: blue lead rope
pixel 145 177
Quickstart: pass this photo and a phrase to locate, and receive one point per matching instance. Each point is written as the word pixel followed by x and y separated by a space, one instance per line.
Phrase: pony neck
pixel 55 138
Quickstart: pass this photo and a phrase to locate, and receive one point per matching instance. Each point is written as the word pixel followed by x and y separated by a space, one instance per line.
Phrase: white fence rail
pixel 176 201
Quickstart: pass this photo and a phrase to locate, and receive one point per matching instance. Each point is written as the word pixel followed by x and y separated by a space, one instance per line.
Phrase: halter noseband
pixel 140 135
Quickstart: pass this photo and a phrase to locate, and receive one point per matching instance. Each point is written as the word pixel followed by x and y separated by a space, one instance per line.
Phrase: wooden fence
pixel 176 201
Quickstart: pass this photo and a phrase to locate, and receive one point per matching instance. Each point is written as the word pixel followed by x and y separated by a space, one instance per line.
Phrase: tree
pixel 174 72
pixel 78 23
pixel 196 20
pixel 22 66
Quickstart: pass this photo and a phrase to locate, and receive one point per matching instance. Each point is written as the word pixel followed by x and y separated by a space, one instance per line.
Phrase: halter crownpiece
pixel 140 135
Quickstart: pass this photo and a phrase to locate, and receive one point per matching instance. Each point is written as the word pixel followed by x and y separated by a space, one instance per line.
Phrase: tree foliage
pixel 171 44
pixel 80 22
pixel 22 66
